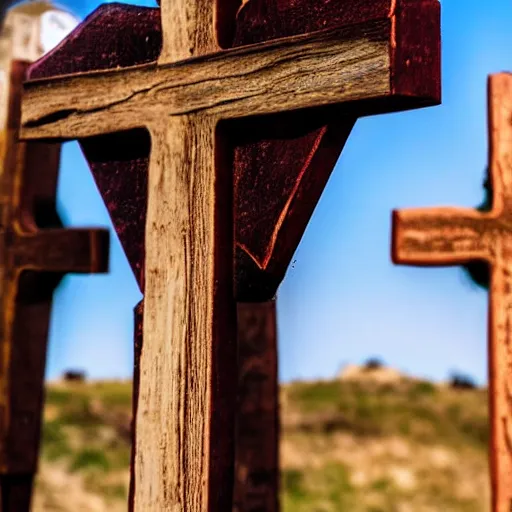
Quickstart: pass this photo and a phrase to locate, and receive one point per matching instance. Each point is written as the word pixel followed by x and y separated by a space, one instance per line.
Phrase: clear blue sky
pixel 343 300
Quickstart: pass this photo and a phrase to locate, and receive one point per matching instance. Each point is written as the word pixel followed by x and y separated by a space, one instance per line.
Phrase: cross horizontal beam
pixel 442 236
pixel 62 250
pixel 288 74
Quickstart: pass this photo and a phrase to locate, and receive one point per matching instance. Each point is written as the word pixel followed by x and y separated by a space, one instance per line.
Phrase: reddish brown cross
pixel 34 254
pixel 455 236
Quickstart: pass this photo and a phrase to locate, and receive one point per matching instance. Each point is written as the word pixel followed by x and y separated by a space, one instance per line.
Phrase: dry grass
pixel 346 446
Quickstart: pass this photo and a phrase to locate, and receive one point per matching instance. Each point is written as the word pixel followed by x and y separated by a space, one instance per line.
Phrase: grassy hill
pixel 346 446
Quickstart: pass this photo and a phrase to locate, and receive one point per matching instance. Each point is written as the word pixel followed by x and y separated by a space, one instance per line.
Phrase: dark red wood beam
pixel 257 422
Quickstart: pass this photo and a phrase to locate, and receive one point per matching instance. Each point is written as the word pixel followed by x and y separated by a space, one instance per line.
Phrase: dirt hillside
pixel 347 445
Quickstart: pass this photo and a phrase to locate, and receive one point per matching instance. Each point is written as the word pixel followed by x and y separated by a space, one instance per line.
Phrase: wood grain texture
pixel 255 80
pixel 230 84
pixel 193 31
pixel 256 485
pixel 184 425
pixel 257 420
pixel 249 81
pixel 453 236
pixel 34 254
pixel 290 156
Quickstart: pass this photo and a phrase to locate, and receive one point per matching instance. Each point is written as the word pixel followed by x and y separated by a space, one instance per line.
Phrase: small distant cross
pixel 34 254
pixel 455 236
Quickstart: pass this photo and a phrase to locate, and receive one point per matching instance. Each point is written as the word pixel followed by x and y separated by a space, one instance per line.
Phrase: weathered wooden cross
pixel 370 57
pixel 35 252
pixel 455 236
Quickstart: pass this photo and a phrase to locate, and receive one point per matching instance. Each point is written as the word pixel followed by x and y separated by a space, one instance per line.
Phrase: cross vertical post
pixel 189 352
pixel 456 236
pixel 256 478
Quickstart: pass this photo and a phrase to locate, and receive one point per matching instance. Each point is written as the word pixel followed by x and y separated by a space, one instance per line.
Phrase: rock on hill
pixel 347 445
pixel 380 374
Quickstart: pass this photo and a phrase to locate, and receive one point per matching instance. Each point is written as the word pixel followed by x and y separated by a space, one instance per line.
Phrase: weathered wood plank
pixel 184 443
pixel 451 236
pixel 383 65
pixel 248 81
pixel 193 30
pixel 256 485
pixel 442 236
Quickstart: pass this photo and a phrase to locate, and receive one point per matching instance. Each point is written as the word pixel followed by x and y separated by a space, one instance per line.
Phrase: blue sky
pixel 343 301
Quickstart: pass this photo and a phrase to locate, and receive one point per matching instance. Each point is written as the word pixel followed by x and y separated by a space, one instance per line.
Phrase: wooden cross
pixel 455 236
pixel 35 252
pixel 383 57
pixel 298 162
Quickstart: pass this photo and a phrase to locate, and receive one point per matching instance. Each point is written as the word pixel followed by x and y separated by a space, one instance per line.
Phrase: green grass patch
pixel 58 397
pixel 292 482
pixel 87 424
pixel 113 394
pixel 421 389
pixel 115 491
pixel 315 396
pixel 321 489
pixel 90 459
pixel 382 484
pixel 119 455
pixel 55 443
